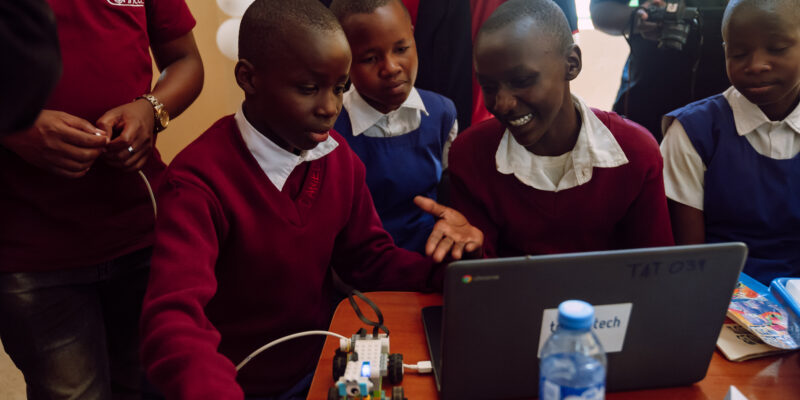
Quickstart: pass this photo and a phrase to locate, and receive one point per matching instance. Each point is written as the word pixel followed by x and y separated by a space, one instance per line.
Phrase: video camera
pixel 676 20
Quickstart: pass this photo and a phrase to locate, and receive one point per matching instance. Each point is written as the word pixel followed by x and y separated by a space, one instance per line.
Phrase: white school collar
pixel 276 162
pixel 595 147
pixel 363 116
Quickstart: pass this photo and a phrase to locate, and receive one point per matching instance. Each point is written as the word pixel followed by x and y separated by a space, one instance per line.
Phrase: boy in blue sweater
pixel 399 132
pixel 731 168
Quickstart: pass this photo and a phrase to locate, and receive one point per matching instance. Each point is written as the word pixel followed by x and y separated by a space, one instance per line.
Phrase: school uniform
pixel 723 156
pixel 607 193
pixel 74 253
pixel 404 152
pixel 245 242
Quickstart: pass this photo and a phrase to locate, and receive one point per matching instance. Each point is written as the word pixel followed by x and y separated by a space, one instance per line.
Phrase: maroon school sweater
pixel 238 263
pixel 620 207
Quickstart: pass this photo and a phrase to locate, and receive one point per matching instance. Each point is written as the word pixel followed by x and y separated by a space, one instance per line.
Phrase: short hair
pixel 546 14
pixel 792 6
pixel 266 23
pixel 345 8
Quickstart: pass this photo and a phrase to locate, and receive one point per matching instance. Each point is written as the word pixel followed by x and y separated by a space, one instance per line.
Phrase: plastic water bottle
pixel 573 362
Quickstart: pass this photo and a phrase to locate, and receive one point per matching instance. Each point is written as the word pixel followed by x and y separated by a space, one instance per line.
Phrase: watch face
pixel 163 119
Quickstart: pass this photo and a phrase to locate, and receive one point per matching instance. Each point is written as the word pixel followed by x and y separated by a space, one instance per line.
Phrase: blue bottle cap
pixel 575 314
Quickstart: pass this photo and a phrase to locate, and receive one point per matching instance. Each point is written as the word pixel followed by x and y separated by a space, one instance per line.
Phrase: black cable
pixel 377 326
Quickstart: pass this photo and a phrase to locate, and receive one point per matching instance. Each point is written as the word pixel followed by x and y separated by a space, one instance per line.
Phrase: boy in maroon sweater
pixel 549 174
pixel 256 213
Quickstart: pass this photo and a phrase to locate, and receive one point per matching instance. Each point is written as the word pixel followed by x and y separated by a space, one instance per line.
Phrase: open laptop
pixel 659 312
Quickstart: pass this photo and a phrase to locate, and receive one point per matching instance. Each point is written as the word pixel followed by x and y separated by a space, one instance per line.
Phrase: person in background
pixel 549 174
pixel 260 210
pixel 731 167
pixel 401 134
pixel 657 79
pixel 77 217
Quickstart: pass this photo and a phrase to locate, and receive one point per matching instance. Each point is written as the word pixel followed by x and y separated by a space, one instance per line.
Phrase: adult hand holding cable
pixel 134 144
pixel 58 142
pixel 452 232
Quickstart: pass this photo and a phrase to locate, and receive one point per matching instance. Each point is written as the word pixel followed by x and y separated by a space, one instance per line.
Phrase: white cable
pixel 149 191
pixel 283 339
pixel 422 367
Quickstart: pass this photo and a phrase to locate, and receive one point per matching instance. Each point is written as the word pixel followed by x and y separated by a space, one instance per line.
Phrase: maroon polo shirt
pixel 48 222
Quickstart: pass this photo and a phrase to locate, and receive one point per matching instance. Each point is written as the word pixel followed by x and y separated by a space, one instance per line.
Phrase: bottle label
pixel 553 391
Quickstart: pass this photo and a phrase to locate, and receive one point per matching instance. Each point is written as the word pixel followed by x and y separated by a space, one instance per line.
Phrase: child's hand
pixel 134 123
pixel 452 231
pixel 59 143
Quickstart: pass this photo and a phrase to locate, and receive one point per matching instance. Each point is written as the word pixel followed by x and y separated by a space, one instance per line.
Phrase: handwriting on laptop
pixel 656 268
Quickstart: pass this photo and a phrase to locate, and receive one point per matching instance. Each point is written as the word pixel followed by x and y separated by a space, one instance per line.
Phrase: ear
pixel 573 62
pixel 245 73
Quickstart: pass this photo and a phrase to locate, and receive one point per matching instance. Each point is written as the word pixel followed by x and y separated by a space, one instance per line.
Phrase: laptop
pixel 658 311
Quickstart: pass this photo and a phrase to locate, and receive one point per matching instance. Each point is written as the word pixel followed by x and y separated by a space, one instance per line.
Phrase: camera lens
pixel 673 35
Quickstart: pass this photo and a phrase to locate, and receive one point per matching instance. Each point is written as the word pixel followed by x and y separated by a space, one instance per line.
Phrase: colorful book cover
pixel 754 308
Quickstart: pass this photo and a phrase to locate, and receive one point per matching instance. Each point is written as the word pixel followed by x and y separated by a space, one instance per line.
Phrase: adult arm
pixel 31 63
pixel 178 85
pixel 59 143
pixel 179 343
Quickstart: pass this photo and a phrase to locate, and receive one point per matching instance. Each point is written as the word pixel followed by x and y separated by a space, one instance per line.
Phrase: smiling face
pixel 762 54
pixel 525 82
pixel 296 95
pixel 384 55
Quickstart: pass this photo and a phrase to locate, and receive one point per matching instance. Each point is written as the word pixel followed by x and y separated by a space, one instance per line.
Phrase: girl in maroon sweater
pixel 256 213
pixel 549 174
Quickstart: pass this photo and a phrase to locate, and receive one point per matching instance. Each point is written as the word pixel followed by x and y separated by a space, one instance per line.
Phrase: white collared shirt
pixel 277 163
pixel 365 119
pixel 684 170
pixel 595 147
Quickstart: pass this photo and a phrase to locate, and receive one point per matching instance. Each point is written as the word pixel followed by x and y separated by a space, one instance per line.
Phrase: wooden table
pixel 776 377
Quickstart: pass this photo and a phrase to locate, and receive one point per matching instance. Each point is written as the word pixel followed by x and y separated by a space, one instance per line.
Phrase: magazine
pixel 753 308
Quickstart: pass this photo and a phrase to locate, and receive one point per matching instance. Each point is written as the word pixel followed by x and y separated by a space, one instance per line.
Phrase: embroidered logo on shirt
pixel 126 3
pixel 312 189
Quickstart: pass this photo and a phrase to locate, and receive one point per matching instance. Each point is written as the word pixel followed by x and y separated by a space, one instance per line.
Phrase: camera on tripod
pixel 676 20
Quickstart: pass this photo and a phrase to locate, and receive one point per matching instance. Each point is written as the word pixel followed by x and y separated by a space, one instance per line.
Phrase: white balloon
pixel 228 38
pixel 234 8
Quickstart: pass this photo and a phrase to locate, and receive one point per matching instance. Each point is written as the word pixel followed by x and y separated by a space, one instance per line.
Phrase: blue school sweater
pixel 401 167
pixel 748 197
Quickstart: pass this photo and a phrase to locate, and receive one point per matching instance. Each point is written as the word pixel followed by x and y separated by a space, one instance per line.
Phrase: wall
pixel 221 96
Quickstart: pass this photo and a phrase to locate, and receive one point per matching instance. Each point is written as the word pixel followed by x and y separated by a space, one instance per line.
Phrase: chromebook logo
pixel 466 278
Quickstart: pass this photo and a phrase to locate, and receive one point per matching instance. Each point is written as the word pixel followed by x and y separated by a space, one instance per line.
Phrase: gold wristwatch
pixel 160 113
